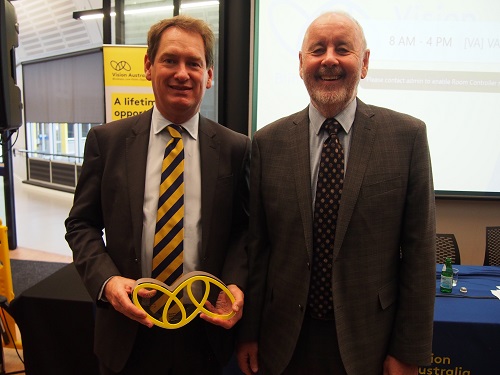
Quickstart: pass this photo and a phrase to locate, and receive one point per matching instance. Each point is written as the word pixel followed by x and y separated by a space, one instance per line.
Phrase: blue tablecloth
pixel 467 325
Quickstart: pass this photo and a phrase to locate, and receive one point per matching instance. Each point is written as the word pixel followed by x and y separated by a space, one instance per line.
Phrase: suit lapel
pixel 360 150
pixel 299 141
pixel 209 154
pixel 136 159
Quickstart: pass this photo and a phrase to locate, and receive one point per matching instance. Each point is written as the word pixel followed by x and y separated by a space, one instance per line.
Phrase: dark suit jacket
pixel 383 303
pixel 110 195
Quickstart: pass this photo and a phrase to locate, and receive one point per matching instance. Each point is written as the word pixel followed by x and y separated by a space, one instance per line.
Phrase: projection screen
pixel 436 60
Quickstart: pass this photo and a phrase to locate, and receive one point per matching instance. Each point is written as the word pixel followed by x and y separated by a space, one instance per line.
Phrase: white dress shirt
pixel 158 139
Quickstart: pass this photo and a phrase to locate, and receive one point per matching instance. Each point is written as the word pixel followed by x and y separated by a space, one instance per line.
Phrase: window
pixel 73 99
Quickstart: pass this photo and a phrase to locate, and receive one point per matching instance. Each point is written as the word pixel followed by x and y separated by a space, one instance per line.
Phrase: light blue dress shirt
pixel 317 138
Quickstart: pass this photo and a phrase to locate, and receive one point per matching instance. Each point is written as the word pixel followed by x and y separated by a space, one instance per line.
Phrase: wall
pixel 467 219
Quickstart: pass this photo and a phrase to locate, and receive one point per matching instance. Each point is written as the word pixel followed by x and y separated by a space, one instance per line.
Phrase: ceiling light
pixel 98 13
pixel 88 14
pixel 149 10
pixel 199 4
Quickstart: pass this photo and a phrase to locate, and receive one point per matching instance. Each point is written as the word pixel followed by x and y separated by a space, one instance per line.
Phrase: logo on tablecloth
pixel 443 366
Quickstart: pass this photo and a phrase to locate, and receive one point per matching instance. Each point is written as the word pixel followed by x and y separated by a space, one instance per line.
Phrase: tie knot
pixel 174 130
pixel 331 126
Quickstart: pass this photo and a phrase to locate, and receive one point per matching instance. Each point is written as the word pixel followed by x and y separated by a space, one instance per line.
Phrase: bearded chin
pixel 329 97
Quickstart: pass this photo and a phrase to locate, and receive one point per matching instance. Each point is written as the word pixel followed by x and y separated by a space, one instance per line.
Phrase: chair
pixel 446 246
pixel 492 253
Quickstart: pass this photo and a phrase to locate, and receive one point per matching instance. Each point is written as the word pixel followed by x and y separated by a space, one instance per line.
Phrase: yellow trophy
pixel 175 306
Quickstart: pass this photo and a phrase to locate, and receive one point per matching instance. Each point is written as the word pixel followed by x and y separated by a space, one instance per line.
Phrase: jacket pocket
pixel 380 185
pixel 387 295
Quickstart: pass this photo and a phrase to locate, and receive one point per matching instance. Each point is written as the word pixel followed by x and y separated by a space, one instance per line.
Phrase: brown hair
pixel 186 23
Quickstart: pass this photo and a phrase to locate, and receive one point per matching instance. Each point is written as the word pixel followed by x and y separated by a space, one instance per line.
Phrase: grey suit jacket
pixel 110 195
pixel 383 301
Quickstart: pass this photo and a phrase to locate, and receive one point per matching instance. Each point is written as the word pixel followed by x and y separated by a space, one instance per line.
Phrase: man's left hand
pixel 393 366
pixel 223 306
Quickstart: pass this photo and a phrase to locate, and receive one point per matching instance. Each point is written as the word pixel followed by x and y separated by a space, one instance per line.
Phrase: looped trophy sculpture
pixel 173 307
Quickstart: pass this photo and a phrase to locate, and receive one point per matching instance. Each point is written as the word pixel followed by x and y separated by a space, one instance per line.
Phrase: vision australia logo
pixel 122 71
pixel 120 65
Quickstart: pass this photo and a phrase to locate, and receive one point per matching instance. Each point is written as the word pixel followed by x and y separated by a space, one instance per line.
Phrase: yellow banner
pixel 127 90
pixel 124 66
pixel 126 105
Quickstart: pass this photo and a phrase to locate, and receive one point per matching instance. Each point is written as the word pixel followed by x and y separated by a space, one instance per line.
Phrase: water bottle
pixel 446 277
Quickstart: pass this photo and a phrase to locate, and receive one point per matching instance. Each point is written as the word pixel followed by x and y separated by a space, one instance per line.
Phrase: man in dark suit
pixel 380 251
pixel 117 194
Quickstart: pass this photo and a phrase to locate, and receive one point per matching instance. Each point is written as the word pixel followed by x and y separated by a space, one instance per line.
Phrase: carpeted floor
pixel 26 273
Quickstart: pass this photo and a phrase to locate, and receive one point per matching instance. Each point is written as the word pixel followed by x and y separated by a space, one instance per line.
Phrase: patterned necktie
pixel 169 234
pixel 326 206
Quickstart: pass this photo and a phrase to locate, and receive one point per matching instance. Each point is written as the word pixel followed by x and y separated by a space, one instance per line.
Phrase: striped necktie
pixel 169 233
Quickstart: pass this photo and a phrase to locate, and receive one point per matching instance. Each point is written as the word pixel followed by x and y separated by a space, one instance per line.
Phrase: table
pixel 56 321
pixel 467 326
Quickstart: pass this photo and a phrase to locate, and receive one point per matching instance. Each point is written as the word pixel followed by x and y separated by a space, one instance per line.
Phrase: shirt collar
pixel 159 123
pixel 345 118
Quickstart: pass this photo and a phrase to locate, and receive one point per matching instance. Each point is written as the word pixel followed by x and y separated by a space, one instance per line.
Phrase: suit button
pixel 301 308
pixel 308 266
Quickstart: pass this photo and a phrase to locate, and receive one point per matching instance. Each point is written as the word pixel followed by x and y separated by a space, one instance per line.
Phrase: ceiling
pixel 47 27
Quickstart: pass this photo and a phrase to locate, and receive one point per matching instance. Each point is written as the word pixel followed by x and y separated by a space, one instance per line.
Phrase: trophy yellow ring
pixel 185 282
